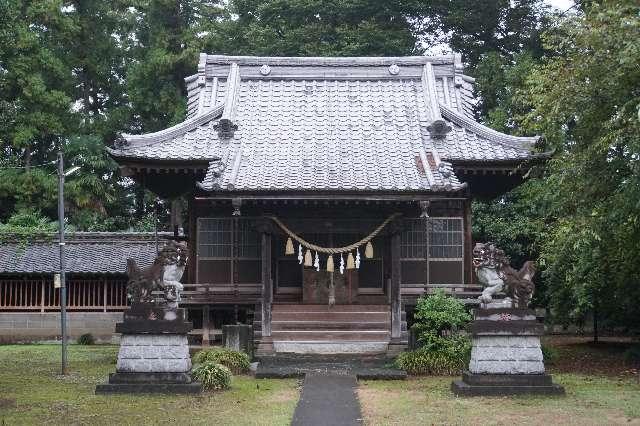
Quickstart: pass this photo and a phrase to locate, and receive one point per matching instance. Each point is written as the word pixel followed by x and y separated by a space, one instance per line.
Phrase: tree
pixel 319 27
pixel 586 100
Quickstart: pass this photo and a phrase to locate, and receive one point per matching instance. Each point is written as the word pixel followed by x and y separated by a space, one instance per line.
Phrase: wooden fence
pixel 83 294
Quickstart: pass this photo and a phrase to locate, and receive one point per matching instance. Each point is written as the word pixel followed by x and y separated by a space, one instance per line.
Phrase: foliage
pixel 237 362
pixel 437 321
pixel 585 100
pixel 321 28
pixel 632 355
pixel 441 356
pixel 86 339
pixel 438 314
pixel 549 354
pixel 212 375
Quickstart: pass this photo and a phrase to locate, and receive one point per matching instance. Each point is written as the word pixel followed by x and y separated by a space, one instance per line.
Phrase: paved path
pixel 328 399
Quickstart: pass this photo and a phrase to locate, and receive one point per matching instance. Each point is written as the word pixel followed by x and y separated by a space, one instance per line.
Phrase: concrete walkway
pixel 328 399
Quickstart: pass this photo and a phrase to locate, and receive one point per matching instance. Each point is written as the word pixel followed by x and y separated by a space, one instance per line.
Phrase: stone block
pixel 238 337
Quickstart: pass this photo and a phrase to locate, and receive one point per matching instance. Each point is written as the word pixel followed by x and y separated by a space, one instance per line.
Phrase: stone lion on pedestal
pixel 164 275
pixel 496 274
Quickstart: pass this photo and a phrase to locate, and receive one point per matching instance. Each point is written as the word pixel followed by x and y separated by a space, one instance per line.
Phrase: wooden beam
pixel 267 285
pixel 396 300
pixel 468 244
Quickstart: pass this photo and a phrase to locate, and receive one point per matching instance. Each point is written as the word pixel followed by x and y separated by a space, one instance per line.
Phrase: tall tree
pixel 319 27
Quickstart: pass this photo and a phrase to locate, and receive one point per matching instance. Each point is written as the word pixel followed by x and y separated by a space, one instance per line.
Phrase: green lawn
pixel 590 400
pixel 29 376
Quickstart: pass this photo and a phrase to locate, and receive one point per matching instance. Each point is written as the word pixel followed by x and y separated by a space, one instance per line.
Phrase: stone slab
pixel 145 326
pixel 144 388
pixel 506 355
pixel 319 347
pixel 460 388
pixel 149 353
pixel 506 379
pixel 328 399
pixel 158 378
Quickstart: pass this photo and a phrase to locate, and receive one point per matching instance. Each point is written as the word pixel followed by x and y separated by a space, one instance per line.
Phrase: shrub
pixel 632 355
pixel 86 339
pixel 438 321
pixel 549 355
pixel 443 356
pixel 237 362
pixel 213 376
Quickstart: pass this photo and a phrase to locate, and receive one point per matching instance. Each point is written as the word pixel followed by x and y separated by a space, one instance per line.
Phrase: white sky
pixel 560 4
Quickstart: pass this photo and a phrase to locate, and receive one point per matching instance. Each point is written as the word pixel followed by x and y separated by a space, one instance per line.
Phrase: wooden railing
pixel 220 293
pixel 83 294
pixel 468 293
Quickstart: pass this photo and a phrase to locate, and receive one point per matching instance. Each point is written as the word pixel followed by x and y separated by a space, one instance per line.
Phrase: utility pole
pixel 63 285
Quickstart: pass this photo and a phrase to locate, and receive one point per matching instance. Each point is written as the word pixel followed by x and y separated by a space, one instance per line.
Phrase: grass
pixel 29 375
pixel 601 390
pixel 428 400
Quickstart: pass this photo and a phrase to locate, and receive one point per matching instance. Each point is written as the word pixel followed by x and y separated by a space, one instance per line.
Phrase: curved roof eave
pixel 525 143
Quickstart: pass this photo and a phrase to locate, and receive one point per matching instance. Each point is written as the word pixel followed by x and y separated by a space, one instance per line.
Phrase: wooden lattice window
pixel 229 251
pixel 431 251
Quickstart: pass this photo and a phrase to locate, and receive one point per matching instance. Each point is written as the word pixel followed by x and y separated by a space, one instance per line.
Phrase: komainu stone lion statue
pixel 164 275
pixel 494 272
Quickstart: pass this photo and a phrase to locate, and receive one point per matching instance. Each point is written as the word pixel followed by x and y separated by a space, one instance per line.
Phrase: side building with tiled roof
pixel 318 153
pixel 96 264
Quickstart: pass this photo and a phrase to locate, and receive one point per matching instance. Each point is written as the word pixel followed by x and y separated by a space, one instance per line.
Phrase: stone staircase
pixel 323 329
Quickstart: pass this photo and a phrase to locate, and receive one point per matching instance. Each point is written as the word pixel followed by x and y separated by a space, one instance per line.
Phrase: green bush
pixel 442 356
pixel 86 339
pixel 213 376
pixel 237 362
pixel 549 355
pixel 437 315
pixel 632 355
pixel 438 319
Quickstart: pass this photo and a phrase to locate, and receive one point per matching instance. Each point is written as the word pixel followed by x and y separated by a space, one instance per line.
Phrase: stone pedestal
pixel 506 356
pixel 154 353
pixel 238 337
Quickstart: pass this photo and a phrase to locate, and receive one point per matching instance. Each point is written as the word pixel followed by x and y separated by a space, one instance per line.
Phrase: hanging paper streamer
pixel 368 251
pixel 350 264
pixel 330 264
pixel 317 262
pixel 300 255
pixel 341 264
pixel 357 259
pixel 289 249
pixel 307 259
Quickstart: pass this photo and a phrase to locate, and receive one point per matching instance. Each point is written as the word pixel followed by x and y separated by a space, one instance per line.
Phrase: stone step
pixel 331 316
pixel 327 308
pixel 338 335
pixel 330 325
pixel 331 347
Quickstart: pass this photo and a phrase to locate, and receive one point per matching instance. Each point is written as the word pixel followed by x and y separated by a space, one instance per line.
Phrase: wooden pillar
pixel 267 285
pixel 468 244
pixel 205 325
pixel 104 294
pixel 42 295
pixel 396 300
pixel 192 232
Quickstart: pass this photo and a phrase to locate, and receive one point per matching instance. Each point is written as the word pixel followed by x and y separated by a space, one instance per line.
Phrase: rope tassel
pixel 289 249
pixel 350 263
pixel 368 251
pixel 330 264
pixel 308 261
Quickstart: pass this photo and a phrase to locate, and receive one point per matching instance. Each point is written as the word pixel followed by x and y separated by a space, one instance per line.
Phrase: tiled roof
pixel 99 253
pixel 328 124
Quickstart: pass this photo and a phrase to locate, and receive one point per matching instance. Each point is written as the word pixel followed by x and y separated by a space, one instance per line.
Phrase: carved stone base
pixel 506 355
pixel 154 354
pixel 505 384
